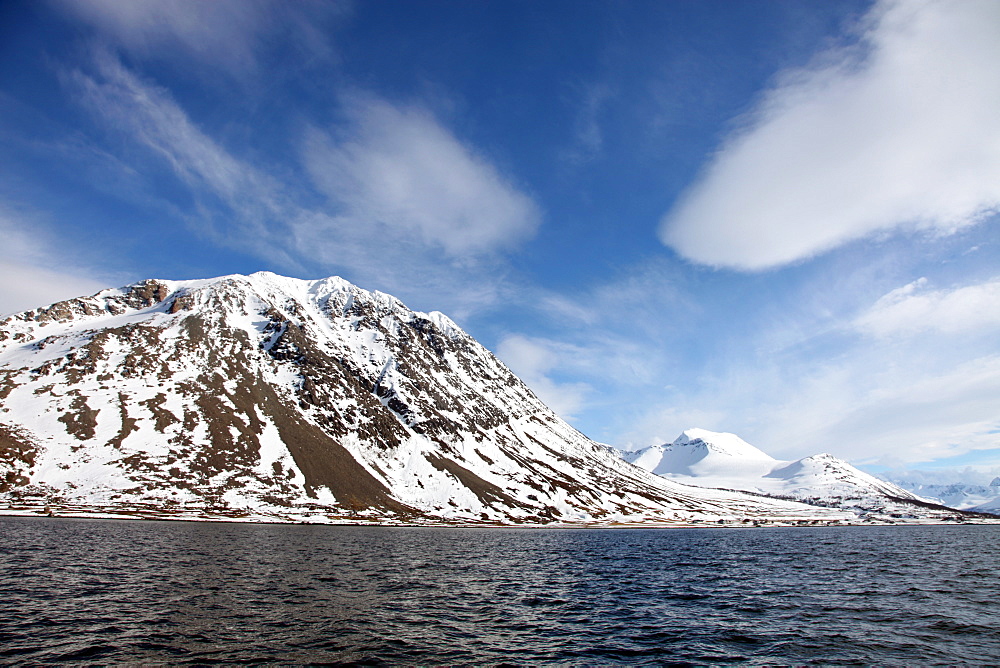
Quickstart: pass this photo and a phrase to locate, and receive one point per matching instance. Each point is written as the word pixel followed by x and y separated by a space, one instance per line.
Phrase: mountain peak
pixel 722 443
pixel 823 457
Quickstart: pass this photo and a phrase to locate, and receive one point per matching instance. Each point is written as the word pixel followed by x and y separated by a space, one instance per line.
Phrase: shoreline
pixel 50 512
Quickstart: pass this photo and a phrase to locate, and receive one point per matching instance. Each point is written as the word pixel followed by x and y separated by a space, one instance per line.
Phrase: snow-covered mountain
pixel 725 461
pixel 264 397
pixel 992 506
pixel 705 455
pixel 978 498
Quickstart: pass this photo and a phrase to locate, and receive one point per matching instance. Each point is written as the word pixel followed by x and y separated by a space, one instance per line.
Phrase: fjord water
pixel 97 591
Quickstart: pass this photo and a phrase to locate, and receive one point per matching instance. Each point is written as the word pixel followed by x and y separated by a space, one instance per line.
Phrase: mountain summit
pixel 698 453
pixel 265 397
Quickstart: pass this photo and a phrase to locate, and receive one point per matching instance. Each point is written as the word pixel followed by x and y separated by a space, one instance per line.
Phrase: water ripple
pixel 96 592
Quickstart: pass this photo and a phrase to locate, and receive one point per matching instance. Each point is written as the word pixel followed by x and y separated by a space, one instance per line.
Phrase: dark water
pixel 116 591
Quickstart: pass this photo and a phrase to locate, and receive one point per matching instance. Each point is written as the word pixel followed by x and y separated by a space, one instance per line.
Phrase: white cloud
pixel 24 286
pixel 912 309
pixel 631 304
pixel 564 309
pixel 378 257
pixel 223 30
pixel 980 474
pixel 399 169
pixel 34 272
pixel 915 378
pixel 533 360
pixel 595 375
pixel 900 132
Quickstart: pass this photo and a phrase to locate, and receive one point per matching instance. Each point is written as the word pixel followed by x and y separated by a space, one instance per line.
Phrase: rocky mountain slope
pixel 268 398
pixel 725 461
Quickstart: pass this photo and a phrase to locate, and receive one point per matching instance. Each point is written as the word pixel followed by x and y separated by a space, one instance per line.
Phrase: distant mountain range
pixel 976 498
pixel 269 398
pixel 725 461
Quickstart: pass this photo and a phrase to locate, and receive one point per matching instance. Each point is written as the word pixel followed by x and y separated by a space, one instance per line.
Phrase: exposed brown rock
pixel 80 420
pixel 128 423
pixel 487 492
pixel 163 418
pixel 17 455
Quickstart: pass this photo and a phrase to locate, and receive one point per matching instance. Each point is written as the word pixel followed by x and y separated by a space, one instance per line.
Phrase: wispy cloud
pixel 897 132
pixel 865 406
pixel 631 301
pixel 606 349
pixel 151 117
pixel 890 412
pixel 968 475
pixel 588 136
pixel 223 33
pixel 914 309
pixel 378 257
pixel 399 169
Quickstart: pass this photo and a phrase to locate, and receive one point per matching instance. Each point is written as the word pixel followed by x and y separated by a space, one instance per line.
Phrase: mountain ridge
pixel 720 460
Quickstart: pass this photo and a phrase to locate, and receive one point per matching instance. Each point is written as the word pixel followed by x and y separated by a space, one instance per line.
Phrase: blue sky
pixel 777 219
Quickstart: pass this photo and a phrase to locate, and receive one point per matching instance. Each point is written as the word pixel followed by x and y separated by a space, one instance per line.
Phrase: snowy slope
pixel 698 453
pixel 725 461
pixel 992 506
pixel 265 397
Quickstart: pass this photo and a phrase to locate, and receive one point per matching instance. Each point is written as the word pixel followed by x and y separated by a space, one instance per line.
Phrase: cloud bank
pixel 900 132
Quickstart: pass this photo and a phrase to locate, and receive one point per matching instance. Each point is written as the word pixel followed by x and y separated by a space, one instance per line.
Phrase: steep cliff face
pixel 264 397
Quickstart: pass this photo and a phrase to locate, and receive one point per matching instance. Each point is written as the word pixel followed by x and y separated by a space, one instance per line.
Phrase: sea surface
pixel 98 592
